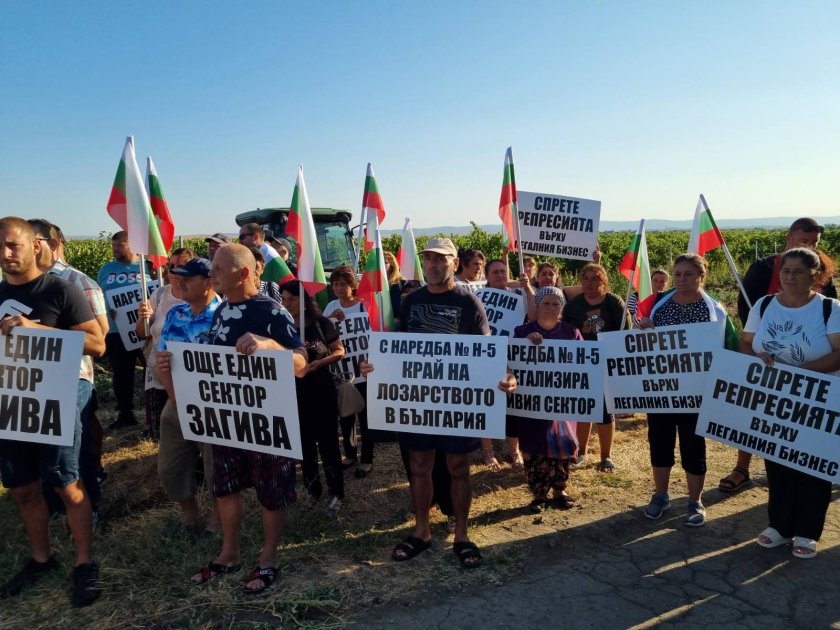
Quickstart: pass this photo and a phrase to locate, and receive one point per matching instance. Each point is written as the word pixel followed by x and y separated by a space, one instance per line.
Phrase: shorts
pixel 178 457
pixel 22 463
pixel 272 476
pixel 449 444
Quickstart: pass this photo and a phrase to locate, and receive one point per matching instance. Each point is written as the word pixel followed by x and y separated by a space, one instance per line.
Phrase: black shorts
pixel 449 444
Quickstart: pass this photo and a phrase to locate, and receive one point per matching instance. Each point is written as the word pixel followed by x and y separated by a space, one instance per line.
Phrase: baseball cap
pixel 194 267
pixel 219 237
pixel 441 246
pixel 806 225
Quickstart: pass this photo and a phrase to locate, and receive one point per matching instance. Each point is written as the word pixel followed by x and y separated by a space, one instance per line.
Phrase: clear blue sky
pixel 641 105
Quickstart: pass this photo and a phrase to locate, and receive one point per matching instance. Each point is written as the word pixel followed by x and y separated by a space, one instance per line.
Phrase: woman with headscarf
pixel 549 445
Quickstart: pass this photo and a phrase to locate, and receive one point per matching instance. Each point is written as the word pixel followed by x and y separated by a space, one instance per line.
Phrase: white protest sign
pixel 505 310
pixel 557 380
pixel 125 303
pixel 37 398
pixel 658 369
pixel 353 331
pixel 437 384
pixel 782 413
pixel 238 400
pixel 558 226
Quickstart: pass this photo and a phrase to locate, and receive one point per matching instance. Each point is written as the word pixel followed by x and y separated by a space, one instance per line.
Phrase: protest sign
pixel 658 369
pixel 558 226
pixel 125 303
pixel 238 400
pixel 37 394
pixel 505 310
pixel 557 380
pixel 353 331
pixel 782 413
pixel 437 384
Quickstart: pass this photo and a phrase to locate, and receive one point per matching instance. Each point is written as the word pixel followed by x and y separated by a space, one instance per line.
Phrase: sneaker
pixel 696 515
pixel 30 573
pixel 85 585
pixel 659 503
pixel 334 505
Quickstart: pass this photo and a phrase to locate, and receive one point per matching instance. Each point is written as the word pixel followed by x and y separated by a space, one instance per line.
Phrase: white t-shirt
pixel 335 305
pixel 793 335
pixel 161 301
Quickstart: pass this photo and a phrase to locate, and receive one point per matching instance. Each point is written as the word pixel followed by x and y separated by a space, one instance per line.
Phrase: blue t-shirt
pixel 116 275
pixel 260 315
pixel 182 325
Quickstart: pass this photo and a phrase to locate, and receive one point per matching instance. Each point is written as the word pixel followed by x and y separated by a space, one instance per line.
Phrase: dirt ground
pixel 335 571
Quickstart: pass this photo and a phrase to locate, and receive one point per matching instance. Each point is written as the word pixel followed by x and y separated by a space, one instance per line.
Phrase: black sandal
pixel 266 575
pixel 468 554
pixel 213 570
pixel 411 547
pixel 727 485
pixel 565 502
pixel 30 573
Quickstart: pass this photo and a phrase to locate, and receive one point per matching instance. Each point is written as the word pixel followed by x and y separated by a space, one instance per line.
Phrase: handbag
pixel 350 401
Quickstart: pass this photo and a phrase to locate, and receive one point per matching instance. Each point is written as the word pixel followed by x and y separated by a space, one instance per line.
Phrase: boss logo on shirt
pixel 122 277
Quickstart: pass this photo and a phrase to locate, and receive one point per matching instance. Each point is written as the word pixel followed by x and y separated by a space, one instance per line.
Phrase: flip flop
pixel 266 575
pixel 468 554
pixel 774 539
pixel 807 548
pixel 727 485
pixel 213 570
pixel 411 546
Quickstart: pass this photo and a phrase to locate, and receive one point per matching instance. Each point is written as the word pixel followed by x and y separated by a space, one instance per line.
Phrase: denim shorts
pixel 22 463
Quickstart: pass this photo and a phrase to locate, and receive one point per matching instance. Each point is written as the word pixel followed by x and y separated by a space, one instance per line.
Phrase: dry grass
pixel 330 569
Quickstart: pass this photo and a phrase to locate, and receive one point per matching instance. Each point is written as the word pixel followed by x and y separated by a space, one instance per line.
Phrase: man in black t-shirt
pixel 31 299
pixel 442 307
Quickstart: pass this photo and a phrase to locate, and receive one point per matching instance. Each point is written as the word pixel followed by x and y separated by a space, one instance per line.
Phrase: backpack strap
pixel 826 303
pixel 762 306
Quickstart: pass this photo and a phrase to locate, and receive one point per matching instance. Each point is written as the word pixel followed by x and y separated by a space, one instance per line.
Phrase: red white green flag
pixel 301 228
pixel 373 288
pixel 129 206
pixel 160 209
pixel 507 204
pixel 635 263
pixel 407 257
pixel 705 234
pixel 276 269
pixel 371 202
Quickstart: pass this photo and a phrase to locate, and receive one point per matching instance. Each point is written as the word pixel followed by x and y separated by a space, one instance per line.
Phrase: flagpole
pixel 302 315
pixel 362 221
pixel 144 290
pixel 518 237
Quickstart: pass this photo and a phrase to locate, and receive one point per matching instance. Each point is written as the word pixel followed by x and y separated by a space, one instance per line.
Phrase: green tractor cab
pixel 332 228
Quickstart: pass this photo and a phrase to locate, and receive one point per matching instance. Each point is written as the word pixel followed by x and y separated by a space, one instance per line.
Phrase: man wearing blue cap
pixel 190 323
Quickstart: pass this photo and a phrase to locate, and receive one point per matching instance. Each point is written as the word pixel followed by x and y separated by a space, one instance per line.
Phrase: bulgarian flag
pixel 705 234
pixel 276 269
pixel 371 202
pixel 160 209
pixel 507 204
pixel 407 257
pixel 301 228
pixel 373 289
pixel 129 206
pixel 635 263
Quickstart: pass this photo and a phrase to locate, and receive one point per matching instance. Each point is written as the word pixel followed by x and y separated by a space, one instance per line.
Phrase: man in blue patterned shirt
pixel 189 322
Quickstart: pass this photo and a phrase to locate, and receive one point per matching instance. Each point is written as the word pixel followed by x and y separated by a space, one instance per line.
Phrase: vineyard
pixel 744 245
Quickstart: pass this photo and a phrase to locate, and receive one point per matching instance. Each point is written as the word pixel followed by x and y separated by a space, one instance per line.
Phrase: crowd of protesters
pixel 223 300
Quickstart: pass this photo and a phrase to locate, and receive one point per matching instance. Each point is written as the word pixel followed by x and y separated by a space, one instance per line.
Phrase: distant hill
pixel 660 225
